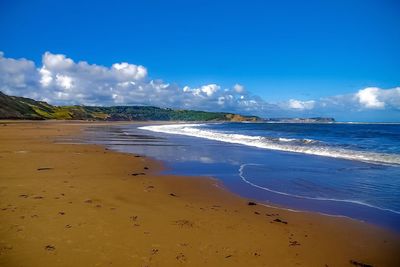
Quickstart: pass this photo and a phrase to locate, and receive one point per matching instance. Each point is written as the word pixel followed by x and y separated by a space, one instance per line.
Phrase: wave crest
pixel 305 146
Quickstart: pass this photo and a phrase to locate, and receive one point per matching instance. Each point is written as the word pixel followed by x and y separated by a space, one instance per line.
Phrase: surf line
pixel 243 178
pixel 271 144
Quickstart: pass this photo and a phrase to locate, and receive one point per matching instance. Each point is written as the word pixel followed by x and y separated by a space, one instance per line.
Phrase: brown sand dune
pixel 83 205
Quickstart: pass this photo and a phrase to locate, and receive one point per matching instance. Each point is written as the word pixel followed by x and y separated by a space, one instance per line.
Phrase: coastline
pixel 83 205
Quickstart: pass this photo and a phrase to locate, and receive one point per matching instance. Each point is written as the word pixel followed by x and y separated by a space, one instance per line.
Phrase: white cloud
pixel 46 77
pixel 377 98
pixel 368 98
pixel 239 88
pixel 18 76
pixel 205 90
pixel 62 81
pixel 301 105
pixel 128 71
pixel 56 62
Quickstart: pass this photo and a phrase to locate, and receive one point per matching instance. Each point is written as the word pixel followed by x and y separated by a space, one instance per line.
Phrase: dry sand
pixel 80 205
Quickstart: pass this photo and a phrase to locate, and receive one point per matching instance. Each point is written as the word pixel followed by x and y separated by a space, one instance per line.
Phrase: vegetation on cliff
pixel 13 107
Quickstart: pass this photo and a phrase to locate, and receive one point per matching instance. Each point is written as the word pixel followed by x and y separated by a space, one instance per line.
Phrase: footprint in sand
pixel 181 257
pixel 294 243
pixel 184 223
pixel 50 248
pixel 134 219
pixel 5 248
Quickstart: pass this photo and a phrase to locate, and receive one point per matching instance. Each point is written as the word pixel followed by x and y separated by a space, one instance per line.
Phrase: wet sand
pixel 83 205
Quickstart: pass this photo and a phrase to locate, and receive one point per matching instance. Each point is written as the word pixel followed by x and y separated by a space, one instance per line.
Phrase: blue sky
pixel 277 50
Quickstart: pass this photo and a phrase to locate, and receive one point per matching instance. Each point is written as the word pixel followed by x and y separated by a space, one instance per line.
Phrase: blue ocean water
pixel 337 169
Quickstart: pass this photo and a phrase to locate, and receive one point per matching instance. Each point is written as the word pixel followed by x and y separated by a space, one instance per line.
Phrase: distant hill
pixel 13 107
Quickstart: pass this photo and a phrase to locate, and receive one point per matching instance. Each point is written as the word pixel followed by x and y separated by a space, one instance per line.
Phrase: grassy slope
pixel 12 107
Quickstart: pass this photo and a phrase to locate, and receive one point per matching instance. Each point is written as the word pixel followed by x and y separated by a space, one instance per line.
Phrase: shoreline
pixel 180 221
pixel 203 161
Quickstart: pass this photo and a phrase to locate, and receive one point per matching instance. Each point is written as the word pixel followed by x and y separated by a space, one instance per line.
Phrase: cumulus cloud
pixel 301 105
pixel 61 80
pixel 239 88
pixel 18 75
pixel 376 98
pixel 368 98
pixel 64 81
pixel 205 90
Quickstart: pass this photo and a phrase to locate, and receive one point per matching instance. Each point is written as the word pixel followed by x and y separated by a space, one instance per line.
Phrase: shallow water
pixel 366 188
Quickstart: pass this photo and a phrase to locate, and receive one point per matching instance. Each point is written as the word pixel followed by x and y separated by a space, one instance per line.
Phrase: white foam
pixel 305 146
pixel 244 179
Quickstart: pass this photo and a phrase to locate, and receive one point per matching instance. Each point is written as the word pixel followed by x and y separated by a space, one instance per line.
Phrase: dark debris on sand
pixel 138 173
pixel 359 264
pixel 44 169
pixel 280 221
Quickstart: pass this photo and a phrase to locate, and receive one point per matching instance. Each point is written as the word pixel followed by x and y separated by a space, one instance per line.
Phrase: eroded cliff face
pixel 238 118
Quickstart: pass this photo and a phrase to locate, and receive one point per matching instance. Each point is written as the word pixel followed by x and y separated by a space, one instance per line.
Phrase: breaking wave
pixel 305 146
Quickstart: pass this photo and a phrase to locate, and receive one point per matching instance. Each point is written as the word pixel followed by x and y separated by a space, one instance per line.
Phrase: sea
pixel 336 169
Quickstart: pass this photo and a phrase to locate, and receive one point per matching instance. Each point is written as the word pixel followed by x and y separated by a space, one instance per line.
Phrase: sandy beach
pixel 84 205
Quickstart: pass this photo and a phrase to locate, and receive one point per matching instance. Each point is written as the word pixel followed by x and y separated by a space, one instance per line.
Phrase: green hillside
pixel 12 107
